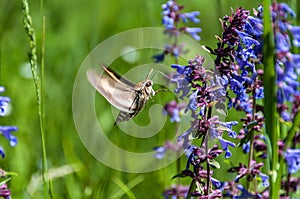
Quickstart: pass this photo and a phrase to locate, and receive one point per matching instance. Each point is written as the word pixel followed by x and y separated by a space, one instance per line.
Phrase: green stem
pixel 192 187
pixel 270 97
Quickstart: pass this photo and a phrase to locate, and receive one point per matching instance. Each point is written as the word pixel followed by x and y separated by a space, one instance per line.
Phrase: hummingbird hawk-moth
pixel 123 94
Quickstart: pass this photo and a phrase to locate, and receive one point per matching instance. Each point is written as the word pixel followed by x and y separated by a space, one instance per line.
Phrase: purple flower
pixel 296 34
pixel 169 146
pixel 173 110
pixel 160 152
pixel 229 125
pixel 246 147
pixel 4 191
pixel 192 103
pixel 292 158
pixel 225 144
pixel 282 43
pixel 182 79
pixel 4 101
pixel 176 192
pixel 172 16
pixel 259 93
pixel 247 39
pixel 191 16
pixel 186 138
pixel 7 133
pixel 286 10
pixel 265 179
pixel 216 183
pixel 254 27
pixel 169 14
pixel 2 153
pixel 194 32
pixel 245 193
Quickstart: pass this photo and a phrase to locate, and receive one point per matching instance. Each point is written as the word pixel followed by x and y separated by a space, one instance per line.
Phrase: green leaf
pixel 4 181
pixel 214 164
pixel 246 138
pixel 183 174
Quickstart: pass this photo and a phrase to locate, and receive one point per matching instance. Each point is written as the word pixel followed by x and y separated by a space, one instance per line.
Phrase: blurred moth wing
pixel 123 94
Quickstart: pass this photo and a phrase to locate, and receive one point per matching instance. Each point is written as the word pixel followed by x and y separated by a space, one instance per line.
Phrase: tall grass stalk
pixel 39 86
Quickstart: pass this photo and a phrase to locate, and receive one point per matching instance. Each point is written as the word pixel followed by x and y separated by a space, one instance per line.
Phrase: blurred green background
pixel 73 29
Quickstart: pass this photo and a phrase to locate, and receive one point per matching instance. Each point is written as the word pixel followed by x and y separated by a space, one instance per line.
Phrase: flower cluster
pixel 239 83
pixel 172 17
pixel 6 132
pixel 287 64
pixel 236 56
pixel 198 173
pixel 203 91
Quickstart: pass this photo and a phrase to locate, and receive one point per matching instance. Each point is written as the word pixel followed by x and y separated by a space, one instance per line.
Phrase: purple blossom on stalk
pixel 237 54
pixel 196 79
pixel 292 158
pixel 198 156
pixel 287 64
pixel 252 172
pixel 172 17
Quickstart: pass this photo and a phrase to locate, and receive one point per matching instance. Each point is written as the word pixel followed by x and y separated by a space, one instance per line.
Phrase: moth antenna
pixel 147 77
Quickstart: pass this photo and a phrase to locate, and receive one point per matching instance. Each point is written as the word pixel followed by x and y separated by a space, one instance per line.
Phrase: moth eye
pixel 148 84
